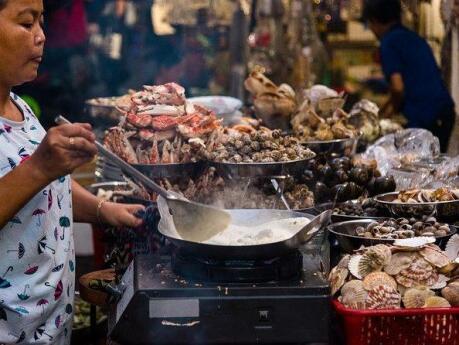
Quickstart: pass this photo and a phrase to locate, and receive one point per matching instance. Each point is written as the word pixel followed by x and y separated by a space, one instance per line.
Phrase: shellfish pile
pixel 425 195
pixel 160 126
pixel 361 208
pixel 345 179
pixel 413 273
pixel 404 228
pixel 260 146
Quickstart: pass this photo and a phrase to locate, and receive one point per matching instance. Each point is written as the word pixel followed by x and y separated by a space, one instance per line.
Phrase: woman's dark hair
pixel 382 11
pixel 3 4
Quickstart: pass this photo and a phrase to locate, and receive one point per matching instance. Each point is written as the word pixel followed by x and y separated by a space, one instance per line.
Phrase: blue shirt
pixel 426 96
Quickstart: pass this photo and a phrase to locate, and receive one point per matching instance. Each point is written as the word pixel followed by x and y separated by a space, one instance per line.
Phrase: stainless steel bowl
pixel 171 171
pixel 444 211
pixel 348 240
pixel 337 147
pixel 249 170
pixel 101 111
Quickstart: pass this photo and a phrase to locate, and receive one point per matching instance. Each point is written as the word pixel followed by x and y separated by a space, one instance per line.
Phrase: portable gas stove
pixel 189 300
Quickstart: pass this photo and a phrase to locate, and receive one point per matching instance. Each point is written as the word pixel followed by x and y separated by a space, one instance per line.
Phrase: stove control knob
pixel 264 315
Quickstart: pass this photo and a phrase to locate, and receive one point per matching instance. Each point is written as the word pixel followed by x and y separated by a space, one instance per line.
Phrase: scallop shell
pixel 416 297
pixel 419 272
pixel 451 294
pixel 413 243
pixel 452 248
pixel 436 302
pixel 442 281
pixel 399 262
pixel 354 266
pixel 378 278
pixel 337 278
pixel 383 297
pixel 354 295
pixel 435 257
pixel 374 259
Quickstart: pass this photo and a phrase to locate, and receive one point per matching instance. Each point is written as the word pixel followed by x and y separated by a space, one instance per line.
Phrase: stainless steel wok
pixel 261 251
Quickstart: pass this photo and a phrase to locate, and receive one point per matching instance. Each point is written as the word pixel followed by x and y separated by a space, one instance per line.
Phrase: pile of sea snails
pixel 404 228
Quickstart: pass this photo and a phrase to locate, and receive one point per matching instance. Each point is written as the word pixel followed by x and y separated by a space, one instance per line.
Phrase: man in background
pixel 416 85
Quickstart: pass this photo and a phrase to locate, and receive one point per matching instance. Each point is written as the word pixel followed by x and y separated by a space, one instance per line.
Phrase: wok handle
pixel 125 167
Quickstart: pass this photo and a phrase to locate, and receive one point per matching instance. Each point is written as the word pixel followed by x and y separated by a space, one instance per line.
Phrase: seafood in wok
pixel 160 127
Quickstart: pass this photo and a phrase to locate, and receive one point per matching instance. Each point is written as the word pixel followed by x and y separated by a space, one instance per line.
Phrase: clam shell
pixel 399 262
pixel 451 294
pixel 452 248
pixel 414 243
pixel 369 264
pixel 354 295
pixel 344 262
pixel 354 266
pixel 381 252
pixel 337 278
pixel 378 278
pixel 418 274
pixel 416 297
pixel 442 281
pixel 436 302
pixel 383 297
pixel 435 257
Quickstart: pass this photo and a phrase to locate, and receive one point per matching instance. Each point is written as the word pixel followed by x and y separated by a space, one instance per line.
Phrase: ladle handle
pixel 125 167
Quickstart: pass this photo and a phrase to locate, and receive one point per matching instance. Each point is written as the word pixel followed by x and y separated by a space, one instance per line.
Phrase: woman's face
pixel 21 41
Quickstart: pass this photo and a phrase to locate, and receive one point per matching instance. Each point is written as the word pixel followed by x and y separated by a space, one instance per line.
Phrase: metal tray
pixel 338 147
pixel 171 171
pixel 253 170
pixel 348 241
pixel 444 211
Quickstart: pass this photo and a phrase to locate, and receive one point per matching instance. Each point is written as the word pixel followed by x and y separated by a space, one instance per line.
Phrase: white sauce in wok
pixel 271 232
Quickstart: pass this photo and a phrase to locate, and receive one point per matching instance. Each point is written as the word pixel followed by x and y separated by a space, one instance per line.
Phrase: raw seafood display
pixel 274 104
pixel 161 127
pixel 422 195
pixel 322 121
pixel 345 179
pixel 403 228
pixel 261 146
pixel 411 273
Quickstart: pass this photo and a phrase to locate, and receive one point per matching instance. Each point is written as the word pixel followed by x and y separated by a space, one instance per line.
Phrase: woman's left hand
pixel 120 215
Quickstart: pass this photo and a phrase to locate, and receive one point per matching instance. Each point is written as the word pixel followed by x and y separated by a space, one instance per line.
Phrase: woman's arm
pixel 56 156
pixel 85 209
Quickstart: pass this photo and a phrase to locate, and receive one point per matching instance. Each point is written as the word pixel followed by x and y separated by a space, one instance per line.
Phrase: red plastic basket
pixel 436 326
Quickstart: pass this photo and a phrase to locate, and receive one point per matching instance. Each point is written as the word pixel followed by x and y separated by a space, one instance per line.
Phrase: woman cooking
pixel 38 199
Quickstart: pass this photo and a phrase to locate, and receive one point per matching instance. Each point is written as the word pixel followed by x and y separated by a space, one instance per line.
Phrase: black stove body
pixel 234 307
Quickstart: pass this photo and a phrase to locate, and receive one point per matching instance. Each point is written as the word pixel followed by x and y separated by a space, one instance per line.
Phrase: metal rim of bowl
pixel 331 227
pixel 406 204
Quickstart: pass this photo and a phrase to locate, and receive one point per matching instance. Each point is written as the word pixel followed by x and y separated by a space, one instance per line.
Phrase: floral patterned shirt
pixel 36 248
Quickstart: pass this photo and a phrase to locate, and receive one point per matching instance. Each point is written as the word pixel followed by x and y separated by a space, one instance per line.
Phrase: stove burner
pixel 278 269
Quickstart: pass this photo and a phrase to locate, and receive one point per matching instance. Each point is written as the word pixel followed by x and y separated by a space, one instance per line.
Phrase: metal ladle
pixel 194 221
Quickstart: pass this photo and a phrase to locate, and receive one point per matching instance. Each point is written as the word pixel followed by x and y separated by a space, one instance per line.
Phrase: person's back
pixel 405 52
pixel 416 86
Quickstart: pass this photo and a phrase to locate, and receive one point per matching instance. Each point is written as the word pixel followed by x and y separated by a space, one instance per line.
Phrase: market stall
pixel 281 189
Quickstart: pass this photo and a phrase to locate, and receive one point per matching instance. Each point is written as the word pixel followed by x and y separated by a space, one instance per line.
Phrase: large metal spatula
pixel 194 221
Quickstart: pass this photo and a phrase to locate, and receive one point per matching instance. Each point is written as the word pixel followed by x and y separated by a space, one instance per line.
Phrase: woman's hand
pixel 119 215
pixel 64 149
